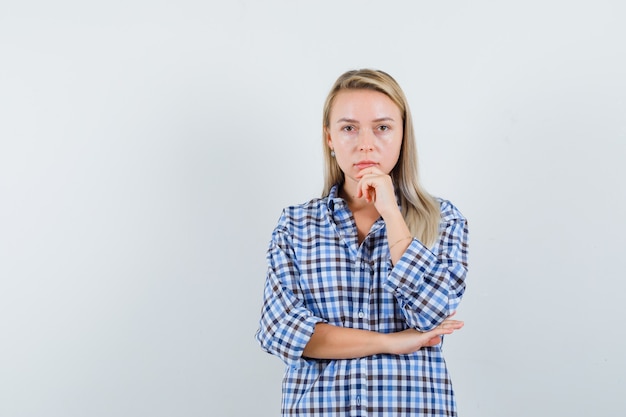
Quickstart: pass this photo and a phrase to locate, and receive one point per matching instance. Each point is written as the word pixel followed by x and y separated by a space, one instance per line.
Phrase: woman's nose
pixel 366 141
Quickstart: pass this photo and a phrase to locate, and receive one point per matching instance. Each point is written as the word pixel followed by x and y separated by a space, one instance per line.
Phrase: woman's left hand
pixel 377 187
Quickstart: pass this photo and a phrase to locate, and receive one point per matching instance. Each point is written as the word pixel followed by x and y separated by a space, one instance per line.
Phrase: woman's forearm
pixel 398 235
pixel 334 342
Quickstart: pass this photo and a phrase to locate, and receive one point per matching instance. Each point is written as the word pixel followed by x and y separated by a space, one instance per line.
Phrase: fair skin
pixel 365 132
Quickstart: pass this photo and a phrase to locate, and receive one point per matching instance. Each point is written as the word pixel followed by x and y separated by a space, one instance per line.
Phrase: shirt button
pixel 358 400
pixel 361 314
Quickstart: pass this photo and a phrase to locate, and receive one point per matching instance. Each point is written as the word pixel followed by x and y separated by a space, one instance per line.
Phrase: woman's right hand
pixel 411 340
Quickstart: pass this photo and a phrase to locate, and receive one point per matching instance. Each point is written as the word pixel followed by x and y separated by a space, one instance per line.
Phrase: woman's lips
pixel 365 164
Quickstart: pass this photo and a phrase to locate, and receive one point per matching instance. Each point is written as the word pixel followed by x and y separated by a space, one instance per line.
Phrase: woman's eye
pixel 348 128
pixel 383 128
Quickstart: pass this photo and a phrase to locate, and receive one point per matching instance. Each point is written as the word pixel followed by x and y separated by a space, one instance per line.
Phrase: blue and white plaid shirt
pixel 317 272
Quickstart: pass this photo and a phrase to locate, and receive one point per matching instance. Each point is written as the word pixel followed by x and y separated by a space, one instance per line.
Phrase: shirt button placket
pixel 365 278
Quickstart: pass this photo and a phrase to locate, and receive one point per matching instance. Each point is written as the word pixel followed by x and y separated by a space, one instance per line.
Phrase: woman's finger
pixel 369 171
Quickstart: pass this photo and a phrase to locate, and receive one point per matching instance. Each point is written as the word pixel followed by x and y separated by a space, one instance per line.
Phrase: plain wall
pixel 147 148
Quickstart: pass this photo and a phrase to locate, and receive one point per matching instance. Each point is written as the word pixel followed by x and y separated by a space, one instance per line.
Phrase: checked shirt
pixel 317 272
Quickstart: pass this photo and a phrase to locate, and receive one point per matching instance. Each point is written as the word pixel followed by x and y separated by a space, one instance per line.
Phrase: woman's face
pixel 365 129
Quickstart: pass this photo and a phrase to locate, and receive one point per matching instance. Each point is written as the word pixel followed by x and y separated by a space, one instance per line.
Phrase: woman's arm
pixel 429 283
pixel 286 324
pixel 333 342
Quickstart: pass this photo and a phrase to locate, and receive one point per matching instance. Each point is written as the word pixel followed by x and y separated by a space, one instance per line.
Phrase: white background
pixel 147 148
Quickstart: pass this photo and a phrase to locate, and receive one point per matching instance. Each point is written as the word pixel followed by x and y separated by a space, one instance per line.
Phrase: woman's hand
pixel 376 187
pixel 411 340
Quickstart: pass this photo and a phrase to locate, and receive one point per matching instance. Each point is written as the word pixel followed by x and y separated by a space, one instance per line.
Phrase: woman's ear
pixel 329 140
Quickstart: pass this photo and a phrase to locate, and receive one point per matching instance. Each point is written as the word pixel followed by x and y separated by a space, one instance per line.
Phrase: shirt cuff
pixel 405 278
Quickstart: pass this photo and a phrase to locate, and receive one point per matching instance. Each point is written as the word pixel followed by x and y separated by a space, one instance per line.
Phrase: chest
pixel 341 279
pixel 364 220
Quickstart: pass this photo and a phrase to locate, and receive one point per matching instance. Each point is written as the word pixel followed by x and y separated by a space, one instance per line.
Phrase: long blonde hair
pixel 419 209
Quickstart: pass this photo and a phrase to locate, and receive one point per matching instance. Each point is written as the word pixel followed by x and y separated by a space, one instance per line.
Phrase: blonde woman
pixel 362 283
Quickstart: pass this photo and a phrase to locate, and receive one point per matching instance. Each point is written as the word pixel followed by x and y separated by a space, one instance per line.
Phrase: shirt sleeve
pixel 429 285
pixel 286 325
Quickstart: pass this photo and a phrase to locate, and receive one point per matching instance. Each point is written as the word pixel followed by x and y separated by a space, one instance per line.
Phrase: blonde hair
pixel 419 209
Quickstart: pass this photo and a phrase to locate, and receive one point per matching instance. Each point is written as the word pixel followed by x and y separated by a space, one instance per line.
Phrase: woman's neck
pixel 357 204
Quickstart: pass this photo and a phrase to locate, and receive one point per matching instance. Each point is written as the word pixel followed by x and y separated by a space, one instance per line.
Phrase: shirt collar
pixel 334 201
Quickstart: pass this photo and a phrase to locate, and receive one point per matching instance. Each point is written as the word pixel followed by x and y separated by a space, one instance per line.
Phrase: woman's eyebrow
pixel 346 120
pixel 384 119
pixel 380 119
